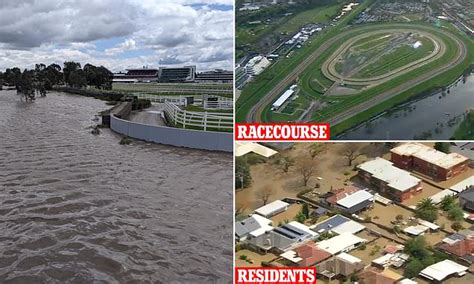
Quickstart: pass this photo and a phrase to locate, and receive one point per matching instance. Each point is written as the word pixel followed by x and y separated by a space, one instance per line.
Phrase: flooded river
pixel 436 116
pixel 75 207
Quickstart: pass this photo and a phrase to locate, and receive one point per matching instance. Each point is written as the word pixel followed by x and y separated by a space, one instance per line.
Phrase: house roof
pixel 306 254
pixel 355 198
pixel 272 208
pixel 467 195
pixel 338 224
pixel 373 275
pixel 436 198
pixel 242 148
pixel 341 193
pixel 429 154
pixel 460 248
pixel 284 237
pixel 348 258
pixel 416 230
pixel 443 269
pixel 340 243
pixel 254 225
pixel 407 281
pixel 463 185
pixel 384 170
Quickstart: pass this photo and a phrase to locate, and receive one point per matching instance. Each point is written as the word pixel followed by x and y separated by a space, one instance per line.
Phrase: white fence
pixel 197 139
pixel 200 120
pixel 221 103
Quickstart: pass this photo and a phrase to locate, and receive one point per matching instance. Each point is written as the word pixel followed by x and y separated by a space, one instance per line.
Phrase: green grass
pixel 465 130
pixel 316 15
pixel 398 58
pixel 201 109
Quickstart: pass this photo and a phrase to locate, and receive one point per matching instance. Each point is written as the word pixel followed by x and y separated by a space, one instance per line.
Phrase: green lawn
pixel 316 15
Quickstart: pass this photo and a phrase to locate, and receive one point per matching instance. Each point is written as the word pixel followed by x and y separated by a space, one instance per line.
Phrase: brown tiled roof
pixel 460 248
pixel 311 254
pixel 373 275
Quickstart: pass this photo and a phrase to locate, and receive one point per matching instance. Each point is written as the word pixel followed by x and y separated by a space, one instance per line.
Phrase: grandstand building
pixel 136 75
pixel 177 74
pixel 216 76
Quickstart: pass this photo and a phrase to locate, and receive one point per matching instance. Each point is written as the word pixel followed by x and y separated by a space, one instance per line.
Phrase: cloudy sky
pixel 118 34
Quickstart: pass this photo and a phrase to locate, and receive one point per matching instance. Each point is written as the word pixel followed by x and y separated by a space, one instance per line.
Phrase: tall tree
pixel 265 193
pixel 307 168
pixel 351 152
pixel 442 146
pixel 69 68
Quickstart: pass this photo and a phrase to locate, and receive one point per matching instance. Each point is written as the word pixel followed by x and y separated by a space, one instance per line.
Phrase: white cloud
pixel 173 32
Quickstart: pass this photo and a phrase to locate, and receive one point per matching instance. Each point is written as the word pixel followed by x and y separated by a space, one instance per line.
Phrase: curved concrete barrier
pixel 196 139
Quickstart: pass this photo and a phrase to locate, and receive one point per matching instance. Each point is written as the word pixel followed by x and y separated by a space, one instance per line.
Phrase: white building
pixel 272 209
pixel 341 243
pixel 443 269
pixel 256 65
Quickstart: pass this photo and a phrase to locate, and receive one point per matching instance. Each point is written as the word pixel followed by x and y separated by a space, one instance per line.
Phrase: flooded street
pixel 435 116
pixel 79 208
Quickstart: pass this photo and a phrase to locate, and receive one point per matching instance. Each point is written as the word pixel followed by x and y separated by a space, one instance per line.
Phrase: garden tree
pixel 442 146
pixel 417 248
pixel 77 79
pixel 69 67
pixel 265 192
pixel 457 226
pixel 315 149
pixel 300 217
pixel 307 168
pixel 425 209
pixel 399 217
pixel 351 152
pixel 284 163
pixel 455 213
pixel 413 268
pixel 242 173
pixel 447 202
pixel 305 210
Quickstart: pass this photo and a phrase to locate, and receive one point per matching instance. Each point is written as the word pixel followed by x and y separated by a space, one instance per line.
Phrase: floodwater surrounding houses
pixel 75 207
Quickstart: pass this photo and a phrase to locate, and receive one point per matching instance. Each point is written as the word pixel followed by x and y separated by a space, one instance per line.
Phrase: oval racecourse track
pixel 256 112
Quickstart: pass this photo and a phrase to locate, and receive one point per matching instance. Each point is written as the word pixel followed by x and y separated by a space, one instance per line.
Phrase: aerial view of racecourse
pixel 116 123
pixel 372 69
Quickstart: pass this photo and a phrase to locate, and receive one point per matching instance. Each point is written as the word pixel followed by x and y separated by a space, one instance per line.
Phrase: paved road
pixel 255 114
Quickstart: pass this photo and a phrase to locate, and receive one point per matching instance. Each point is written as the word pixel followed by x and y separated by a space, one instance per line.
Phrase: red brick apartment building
pixel 428 161
pixel 388 180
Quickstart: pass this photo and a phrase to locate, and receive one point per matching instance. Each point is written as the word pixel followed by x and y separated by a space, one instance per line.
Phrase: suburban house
pixel 341 243
pixel 253 226
pixel 428 161
pixel 351 199
pixel 441 270
pixel 463 185
pixel 389 180
pixel 338 224
pixel 466 199
pixel 342 264
pixel 282 238
pixel 273 208
pixel 460 244
pixel 306 255
pixel 374 275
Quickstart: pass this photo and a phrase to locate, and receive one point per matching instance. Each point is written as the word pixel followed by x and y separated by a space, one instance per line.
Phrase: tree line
pixel 29 82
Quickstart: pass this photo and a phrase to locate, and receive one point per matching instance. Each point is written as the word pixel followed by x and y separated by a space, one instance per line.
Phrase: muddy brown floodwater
pixel 78 208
